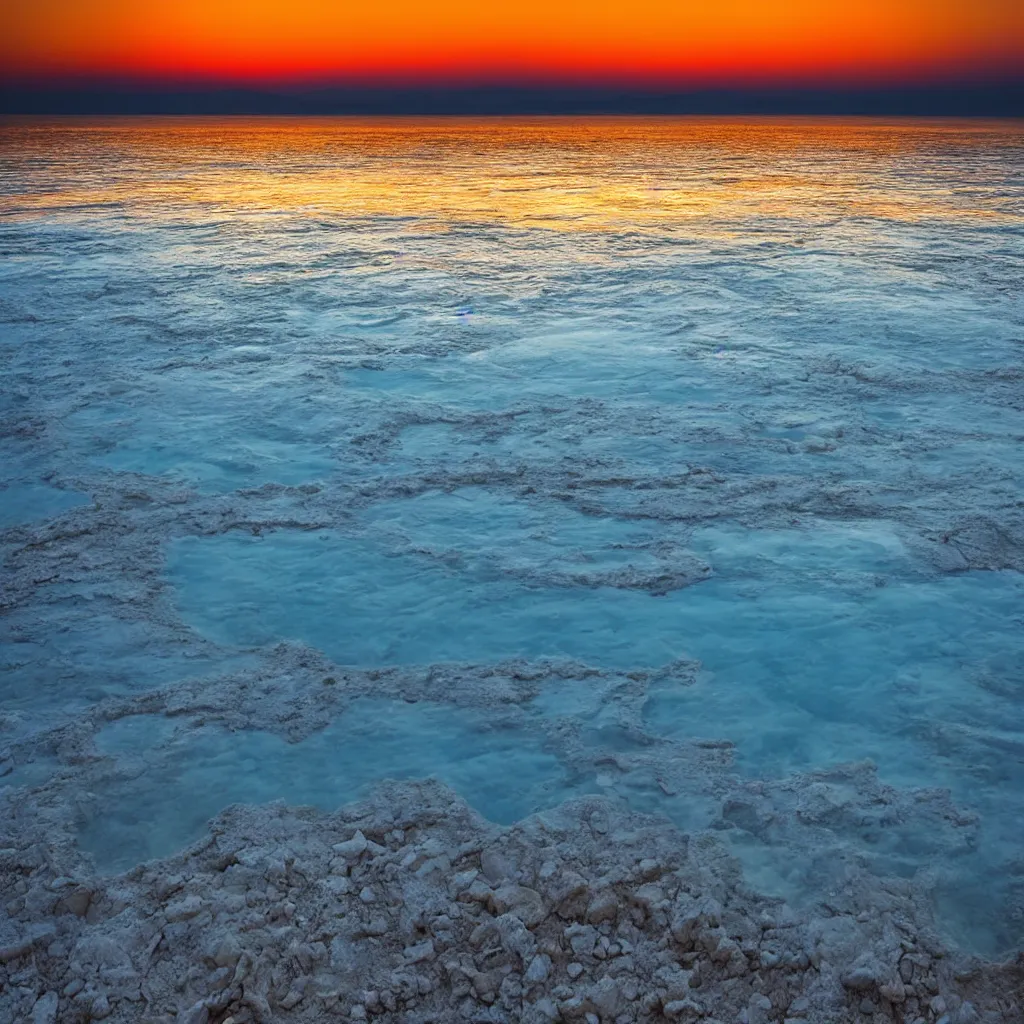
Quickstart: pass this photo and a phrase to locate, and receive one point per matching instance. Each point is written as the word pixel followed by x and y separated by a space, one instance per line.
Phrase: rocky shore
pixel 408 907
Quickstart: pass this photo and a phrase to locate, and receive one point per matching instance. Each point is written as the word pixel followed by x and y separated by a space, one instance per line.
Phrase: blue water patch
pixel 830 642
pixel 34 502
pixel 248 437
pixel 501 769
pixel 818 643
pixel 482 529
pixel 77 651
pixel 573 364
pixel 363 604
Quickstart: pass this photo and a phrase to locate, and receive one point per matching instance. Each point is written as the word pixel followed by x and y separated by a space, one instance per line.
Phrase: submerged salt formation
pixel 655 490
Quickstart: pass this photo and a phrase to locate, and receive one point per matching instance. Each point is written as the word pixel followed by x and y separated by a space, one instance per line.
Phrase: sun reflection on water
pixel 663 176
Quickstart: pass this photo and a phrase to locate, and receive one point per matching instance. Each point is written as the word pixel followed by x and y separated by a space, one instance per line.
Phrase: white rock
pixel 352 848
pixel 526 904
pixel 101 951
pixel 515 937
pixel 294 996
pixel 494 866
pixel 226 951
pixel 412 860
pixel 183 909
pixel 433 847
pixel 606 998
pixel 649 895
pixel 539 969
pixel 337 885
pixel 675 981
pixel 421 951
pixel 546 1009
pixel 603 907
pixel 435 865
pixel 894 991
pixel 582 938
pixel 758 1009
pixel 648 869
pixel 682 1009
pixel 45 1009
pixel 463 880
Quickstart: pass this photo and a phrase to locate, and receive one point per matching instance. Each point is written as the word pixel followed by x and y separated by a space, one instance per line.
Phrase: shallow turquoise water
pixel 498 766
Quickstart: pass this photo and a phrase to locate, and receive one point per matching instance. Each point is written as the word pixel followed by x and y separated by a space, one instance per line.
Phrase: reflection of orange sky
pixel 682 40
pixel 633 175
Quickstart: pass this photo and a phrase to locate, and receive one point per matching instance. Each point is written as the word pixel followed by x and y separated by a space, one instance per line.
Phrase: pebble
pixel 421 951
pixel 539 969
pixel 494 866
pixel 45 1009
pixel 199 1013
pixel 352 848
pixel 860 979
pixel 682 1007
pixel 184 909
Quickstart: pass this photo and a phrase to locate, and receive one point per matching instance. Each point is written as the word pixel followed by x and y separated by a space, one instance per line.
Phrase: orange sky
pixel 683 41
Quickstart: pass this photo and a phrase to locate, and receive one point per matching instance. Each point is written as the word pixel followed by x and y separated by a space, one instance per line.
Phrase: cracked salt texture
pixel 662 477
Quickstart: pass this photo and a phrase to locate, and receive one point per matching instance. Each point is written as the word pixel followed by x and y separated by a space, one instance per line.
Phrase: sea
pixel 675 459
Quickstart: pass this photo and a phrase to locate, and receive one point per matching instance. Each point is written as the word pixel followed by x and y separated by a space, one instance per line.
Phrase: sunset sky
pixel 679 42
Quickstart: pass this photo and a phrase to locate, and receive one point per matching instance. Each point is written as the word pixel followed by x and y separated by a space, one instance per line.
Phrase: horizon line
pixel 1003 98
